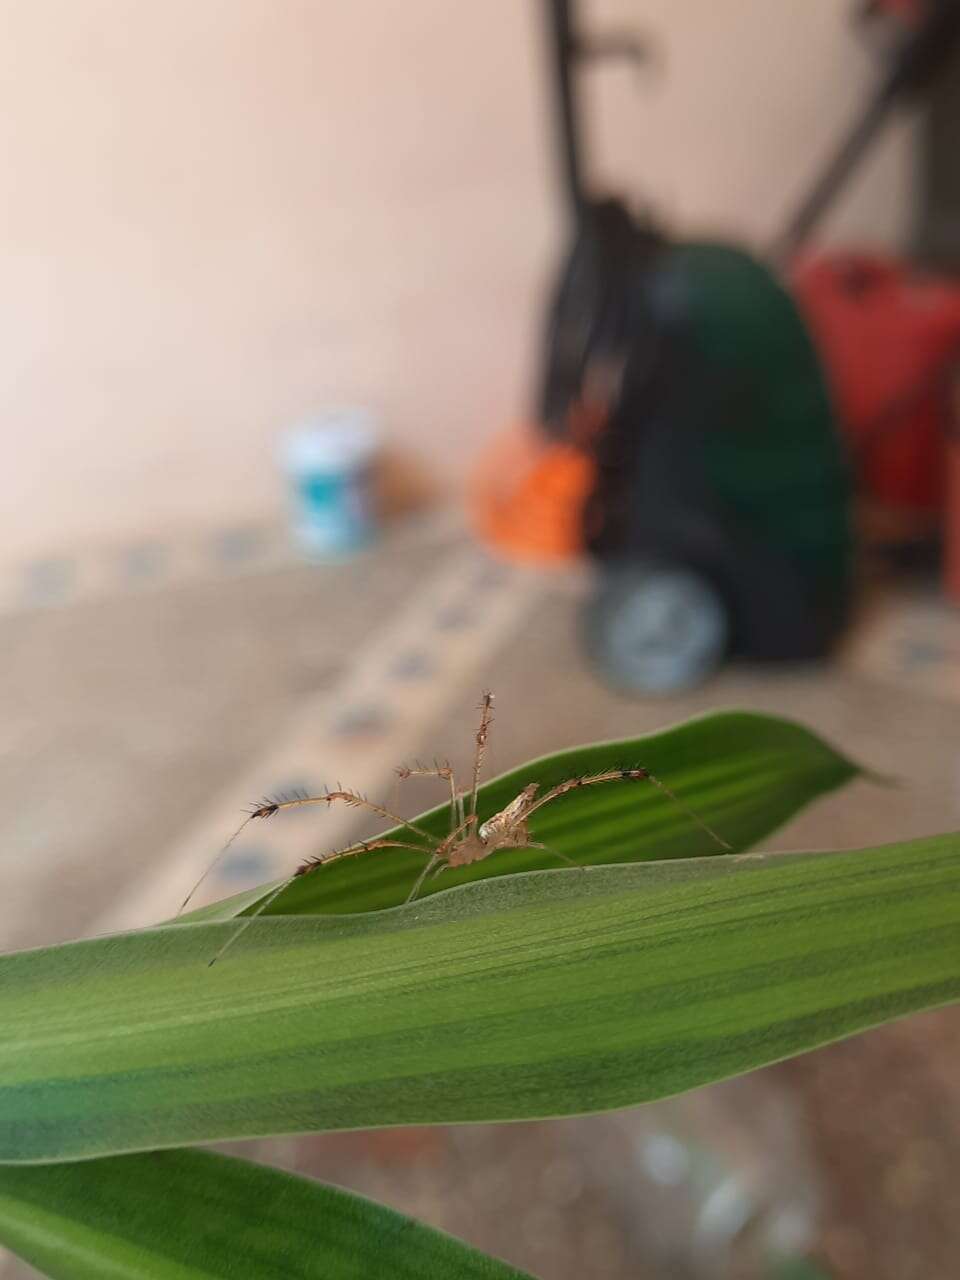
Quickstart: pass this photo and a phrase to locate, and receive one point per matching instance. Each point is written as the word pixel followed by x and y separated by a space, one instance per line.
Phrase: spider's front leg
pixel 445 772
pixel 625 775
pixel 305 868
pixel 480 739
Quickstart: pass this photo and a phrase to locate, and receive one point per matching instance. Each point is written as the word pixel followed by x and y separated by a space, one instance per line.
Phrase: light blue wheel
pixel 657 628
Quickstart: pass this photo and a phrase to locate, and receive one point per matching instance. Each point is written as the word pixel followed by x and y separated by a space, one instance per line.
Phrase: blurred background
pixel 605 354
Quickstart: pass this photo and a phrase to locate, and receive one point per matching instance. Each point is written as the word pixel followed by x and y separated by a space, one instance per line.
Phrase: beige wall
pixel 217 214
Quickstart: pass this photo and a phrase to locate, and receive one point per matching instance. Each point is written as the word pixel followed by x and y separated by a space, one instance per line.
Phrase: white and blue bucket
pixel 329 461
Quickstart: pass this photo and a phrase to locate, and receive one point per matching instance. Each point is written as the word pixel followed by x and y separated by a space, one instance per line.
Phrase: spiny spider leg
pixel 624 775
pixel 486 719
pixel 354 851
pixel 438 771
pixel 305 868
pixel 270 807
pixel 267 808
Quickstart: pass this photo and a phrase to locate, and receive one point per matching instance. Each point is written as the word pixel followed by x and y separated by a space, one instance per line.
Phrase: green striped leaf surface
pixel 192 1215
pixel 546 994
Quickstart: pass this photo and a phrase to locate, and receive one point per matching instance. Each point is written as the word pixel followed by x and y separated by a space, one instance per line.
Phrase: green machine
pixel 719 514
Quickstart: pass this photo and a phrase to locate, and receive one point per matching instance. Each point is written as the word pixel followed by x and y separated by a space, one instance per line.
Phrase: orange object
pixel 527 496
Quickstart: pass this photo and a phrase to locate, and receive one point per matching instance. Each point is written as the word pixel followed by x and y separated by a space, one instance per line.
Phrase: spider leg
pixel 535 844
pixel 625 775
pixel 210 866
pixel 270 807
pixel 422 877
pixel 354 851
pixel 438 771
pixel 486 719
pixel 267 808
pixel 312 864
pixel 248 920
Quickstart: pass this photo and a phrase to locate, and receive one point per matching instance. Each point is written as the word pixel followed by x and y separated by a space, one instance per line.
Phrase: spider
pixel 468 840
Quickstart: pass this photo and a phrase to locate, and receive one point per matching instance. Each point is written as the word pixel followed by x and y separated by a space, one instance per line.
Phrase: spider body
pixel 505 830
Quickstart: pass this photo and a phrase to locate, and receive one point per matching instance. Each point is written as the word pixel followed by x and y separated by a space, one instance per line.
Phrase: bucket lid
pixel 333 440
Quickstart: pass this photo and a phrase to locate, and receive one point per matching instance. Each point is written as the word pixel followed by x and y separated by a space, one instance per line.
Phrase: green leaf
pixel 190 1215
pixel 743 773
pixel 527 996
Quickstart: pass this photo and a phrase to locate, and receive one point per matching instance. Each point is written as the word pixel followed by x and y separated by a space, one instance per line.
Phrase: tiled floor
pixel 131 720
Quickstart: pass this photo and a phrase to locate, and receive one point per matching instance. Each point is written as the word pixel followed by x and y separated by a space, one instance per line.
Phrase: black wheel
pixel 657 628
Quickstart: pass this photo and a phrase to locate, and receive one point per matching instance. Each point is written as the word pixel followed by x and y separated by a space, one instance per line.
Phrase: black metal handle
pixel 568 48
pixel 922 54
